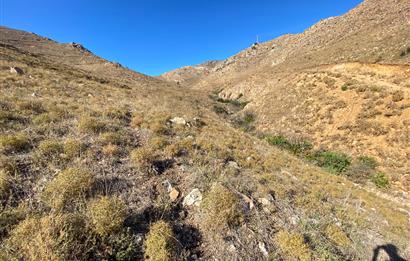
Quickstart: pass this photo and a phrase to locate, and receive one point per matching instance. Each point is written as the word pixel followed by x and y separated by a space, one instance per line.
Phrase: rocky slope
pixel 101 163
pixel 343 84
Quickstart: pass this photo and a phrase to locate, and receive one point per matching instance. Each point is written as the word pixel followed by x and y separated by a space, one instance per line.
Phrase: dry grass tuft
pixel 90 125
pixel 293 245
pixel 53 237
pixel 50 147
pixel 160 244
pixel 222 208
pixel 73 148
pixel 69 186
pixel 337 236
pixel 107 215
pixel 14 143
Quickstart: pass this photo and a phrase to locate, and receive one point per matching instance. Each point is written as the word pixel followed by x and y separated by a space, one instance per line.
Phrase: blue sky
pixel 154 36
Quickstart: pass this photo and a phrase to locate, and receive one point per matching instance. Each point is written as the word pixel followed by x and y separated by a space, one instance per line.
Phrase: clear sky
pixel 155 36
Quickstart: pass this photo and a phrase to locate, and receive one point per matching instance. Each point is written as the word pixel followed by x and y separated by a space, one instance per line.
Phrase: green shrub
pixel 381 180
pixel 53 237
pixel 221 208
pixel 107 215
pixel 293 244
pixel 160 244
pixel 69 186
pixel 367 161
pixel 296 146
pixel 14 143
pixel 332 161
pixel 122 246
pixel 345 87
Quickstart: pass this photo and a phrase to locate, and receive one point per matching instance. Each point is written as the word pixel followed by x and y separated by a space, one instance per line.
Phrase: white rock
pixel 262 248
pixel 16 70
pixel 178 121
pixel 193 198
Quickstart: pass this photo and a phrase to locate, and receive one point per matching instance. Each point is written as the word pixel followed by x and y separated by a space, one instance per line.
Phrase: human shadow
pixel 391 251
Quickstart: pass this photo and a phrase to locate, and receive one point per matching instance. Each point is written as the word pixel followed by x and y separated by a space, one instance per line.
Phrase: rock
pixel 167 185
pixel 264 201
pixel 193 198
pixel 262 248
pixel 173 195
pixel 16 70
pixel 178 121
pixel 233 164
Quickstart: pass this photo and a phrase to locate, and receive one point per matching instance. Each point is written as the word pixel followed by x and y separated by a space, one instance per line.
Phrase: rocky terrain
pixel 343 84
pixel 294 149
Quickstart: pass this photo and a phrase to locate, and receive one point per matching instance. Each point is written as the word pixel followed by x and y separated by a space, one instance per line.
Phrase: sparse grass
pixel 14 143
pixel 53 237
pixel 160 244
pixel 221 208
pixel 69 186
pixel 107 215
pixel 293 245
pixel 381 180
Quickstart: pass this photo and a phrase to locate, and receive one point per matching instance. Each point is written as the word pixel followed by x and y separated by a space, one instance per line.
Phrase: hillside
pixel 342 85
pixel 98 162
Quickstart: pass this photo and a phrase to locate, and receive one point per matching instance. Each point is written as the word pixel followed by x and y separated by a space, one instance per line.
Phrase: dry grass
pixel 221 209
pixel 67 188
pixel 107 215
pixel 293 245
pixel 160 244
pixel 14 143
pixel 53 237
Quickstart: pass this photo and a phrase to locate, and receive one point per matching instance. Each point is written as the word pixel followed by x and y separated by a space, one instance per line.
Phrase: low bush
pixel 68 187
pixel 337 236
pixel 115 138
pixel 221 208
pixel 50 147
pixel 14 143
pixel 295 146
pixel 88 124
pixel 73 148
pixel 111 150
pixel 53 237
pixel 107 215
pixel 367 161
pixel 293 245
pixel 5 184
pixel 332 161
pixel 160 244
pixel 380 180
pixel 142 157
